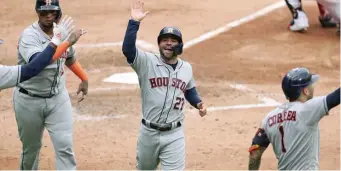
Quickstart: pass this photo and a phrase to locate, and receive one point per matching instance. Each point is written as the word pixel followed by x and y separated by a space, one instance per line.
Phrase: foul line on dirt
pixel 145 45
pixel 248 106
pixel 233 24
pixel 261 97
pixel 267 102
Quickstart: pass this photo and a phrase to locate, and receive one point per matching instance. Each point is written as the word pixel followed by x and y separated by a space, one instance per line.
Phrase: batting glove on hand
pixel 62 30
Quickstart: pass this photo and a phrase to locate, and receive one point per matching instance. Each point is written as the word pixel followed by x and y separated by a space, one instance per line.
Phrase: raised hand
pixel 75 35
pixel 62 30
pixel 137 10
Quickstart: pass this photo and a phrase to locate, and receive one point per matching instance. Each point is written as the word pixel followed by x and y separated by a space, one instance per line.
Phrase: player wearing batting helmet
pixel 175 34
pixel 44 7
pixel 47 89
pixel 166 81
pixel 10 76
pixel 292 128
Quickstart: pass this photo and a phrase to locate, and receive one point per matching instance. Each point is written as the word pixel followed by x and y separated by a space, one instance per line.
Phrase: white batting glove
pixel 62 30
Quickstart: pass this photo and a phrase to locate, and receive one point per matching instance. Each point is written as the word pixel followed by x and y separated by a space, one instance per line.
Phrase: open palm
pixel 137 11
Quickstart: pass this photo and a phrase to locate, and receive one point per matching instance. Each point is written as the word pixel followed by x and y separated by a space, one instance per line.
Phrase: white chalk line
pixel 261 97
pixel 246 106
pixel 233 24
pixel 145 45
pixel 266 101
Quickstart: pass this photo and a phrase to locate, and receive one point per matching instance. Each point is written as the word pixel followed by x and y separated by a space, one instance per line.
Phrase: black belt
pixel 21 90
pixel 167 127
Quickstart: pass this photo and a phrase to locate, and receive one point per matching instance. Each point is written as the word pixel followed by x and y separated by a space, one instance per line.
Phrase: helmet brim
pixel 48 8
pixel 314 78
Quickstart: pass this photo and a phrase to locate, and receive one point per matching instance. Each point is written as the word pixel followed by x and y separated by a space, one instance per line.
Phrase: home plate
pixel 127 78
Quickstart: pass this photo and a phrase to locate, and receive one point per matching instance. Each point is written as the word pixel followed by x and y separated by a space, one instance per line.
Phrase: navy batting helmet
pixel 295 80
pixel 49 5
pixel 175 33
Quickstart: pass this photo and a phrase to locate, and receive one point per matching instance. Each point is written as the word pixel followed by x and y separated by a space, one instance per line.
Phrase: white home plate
pixel 127 78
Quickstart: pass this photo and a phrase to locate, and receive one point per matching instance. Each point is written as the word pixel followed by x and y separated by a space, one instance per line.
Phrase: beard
pixel 165 57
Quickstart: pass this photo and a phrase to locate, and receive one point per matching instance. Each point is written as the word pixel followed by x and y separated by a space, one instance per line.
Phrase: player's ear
pixel 305 91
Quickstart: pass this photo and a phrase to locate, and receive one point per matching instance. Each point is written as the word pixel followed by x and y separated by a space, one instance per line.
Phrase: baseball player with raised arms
pixel 165 81
pixel 329 14
pixel 292 128
pixel 43 101
pixel 10 76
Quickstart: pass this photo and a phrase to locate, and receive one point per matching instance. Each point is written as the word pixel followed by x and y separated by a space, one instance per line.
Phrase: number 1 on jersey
pixel 281 130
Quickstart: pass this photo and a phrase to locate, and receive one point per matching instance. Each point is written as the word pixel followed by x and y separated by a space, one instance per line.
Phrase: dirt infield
pixel 241 66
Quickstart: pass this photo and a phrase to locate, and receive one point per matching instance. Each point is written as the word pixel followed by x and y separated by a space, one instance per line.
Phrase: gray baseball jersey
pixel 9 76
pixel 162 87
pixel 34 113
pixel 162 92
pixel 52 79
pixel 293 131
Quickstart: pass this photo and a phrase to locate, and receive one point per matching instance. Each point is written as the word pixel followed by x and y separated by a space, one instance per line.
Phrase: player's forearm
pixel 259 144
pixel 77 69
pixel 254 160
pixel 192 97
pixel 37 63
pixel 333 99
pixel 60 50
pixel 129 42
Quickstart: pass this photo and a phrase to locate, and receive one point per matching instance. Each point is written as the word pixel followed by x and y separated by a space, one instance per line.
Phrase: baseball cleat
pixel 327 21
pixel 300 22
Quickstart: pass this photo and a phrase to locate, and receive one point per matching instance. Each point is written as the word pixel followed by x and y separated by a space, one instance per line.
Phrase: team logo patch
pixel 48 2
pixel 170 30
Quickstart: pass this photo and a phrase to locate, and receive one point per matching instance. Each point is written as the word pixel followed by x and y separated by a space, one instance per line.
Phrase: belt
pixel 24 91
pixel 164 127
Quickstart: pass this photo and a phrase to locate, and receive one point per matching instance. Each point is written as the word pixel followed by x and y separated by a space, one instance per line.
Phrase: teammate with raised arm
pixel 165 81
pixel 43 101
pixel 292 128
pixel 10 76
